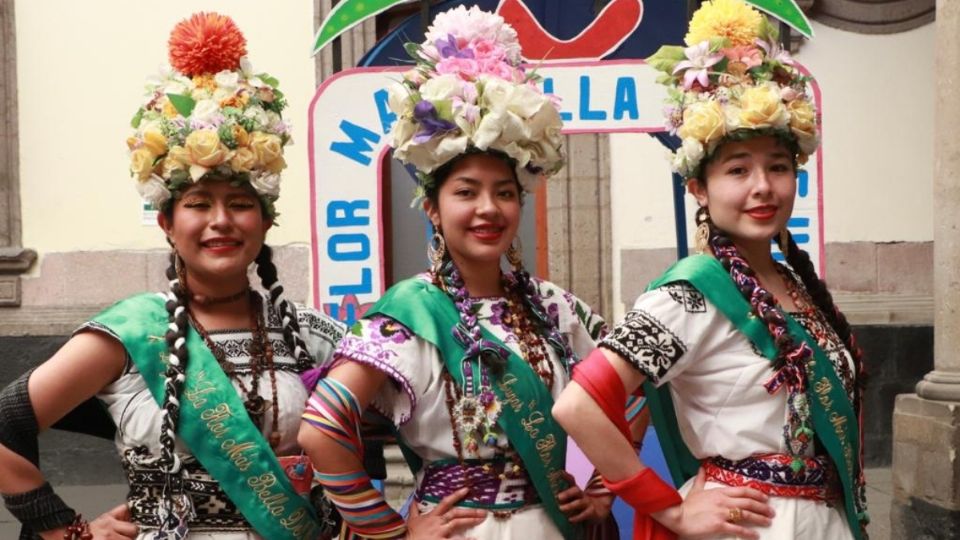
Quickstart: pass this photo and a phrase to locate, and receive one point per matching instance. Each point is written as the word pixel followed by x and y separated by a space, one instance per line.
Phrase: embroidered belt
pixel 773 475
pixel 496 485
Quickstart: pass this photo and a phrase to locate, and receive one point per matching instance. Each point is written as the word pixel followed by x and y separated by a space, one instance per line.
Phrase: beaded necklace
pixel 261 355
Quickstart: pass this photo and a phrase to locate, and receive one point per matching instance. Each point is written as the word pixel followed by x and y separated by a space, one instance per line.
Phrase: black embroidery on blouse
pixel 646 343
pixel 687 296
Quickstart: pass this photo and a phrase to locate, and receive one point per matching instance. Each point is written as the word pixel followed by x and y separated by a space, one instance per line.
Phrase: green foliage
pixel 183 104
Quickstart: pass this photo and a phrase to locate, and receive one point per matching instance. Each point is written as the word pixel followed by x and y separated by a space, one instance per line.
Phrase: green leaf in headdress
pixel 666 58
pixel 183 104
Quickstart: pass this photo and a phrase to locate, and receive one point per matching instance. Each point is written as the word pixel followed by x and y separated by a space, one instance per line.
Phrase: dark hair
pixel 442 173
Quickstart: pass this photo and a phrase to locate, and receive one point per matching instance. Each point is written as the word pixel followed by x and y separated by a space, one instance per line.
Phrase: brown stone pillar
pixel 926 425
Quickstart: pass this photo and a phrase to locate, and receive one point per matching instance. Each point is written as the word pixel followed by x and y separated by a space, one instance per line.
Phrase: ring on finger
pixel 734 515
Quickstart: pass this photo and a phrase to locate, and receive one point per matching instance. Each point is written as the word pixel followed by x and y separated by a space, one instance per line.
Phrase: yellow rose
pixel 266 147
pixel 141 163
pixel 243 160
pixel 179 155
pixel 167 165
pixel 133 143
pixel 241 136
pixel 761 107
pixel 154 140
pixel 205 148
pixel 802 118
pixel 276 165
pixel 704 121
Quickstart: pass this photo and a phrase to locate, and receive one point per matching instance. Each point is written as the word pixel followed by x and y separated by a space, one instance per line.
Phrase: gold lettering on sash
pixel 236 451
pixel 274 502
pixel 506 386
pixel 529 423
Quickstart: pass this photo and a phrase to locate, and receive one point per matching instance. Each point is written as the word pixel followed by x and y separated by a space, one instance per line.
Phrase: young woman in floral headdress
pixel 203 381
pixel 466 359
pixel 753 377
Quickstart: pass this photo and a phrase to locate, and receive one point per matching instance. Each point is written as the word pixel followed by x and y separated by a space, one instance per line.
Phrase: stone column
pixel 926 425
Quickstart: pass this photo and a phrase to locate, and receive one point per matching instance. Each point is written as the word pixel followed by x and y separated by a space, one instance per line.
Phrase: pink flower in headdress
pixel 745 54
pixel 699 61
pixel 465 68
pixel 486 49
pixel 775 52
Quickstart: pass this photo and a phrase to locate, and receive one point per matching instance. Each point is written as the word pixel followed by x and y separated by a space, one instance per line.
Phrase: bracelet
pixel 78 530
pixel 39 509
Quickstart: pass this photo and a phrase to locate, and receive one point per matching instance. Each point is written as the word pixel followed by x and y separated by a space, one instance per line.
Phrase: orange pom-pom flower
pixel 206 43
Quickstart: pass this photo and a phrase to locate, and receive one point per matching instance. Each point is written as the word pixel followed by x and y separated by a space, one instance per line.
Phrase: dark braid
pixel 288 313
pixel 548 323
pixel 175 374
pixel 799 260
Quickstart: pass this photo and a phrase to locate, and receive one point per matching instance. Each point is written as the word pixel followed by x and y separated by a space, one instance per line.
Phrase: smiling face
pixel 218 230
pixel 477 208
pixel 749 189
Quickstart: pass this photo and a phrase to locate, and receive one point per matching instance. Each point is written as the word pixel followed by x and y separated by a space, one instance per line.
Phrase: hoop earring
pixel 515 254
pixel 701 238
pixel 436 251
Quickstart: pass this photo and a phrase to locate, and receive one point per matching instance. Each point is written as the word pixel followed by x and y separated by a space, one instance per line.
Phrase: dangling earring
pixel 515 254
pixel 784 240
pixel 436 251
pixel 701 238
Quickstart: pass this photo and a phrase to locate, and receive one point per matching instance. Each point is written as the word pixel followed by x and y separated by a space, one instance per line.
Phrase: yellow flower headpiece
pixel 209 113
pixel 732 81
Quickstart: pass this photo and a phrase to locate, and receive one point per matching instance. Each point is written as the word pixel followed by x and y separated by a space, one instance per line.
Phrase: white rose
pixel 430 155
pixel 154 190
pixel 399 100
pixel 204 110
pixel 489 129
pixel 693 149
pixel 403 130
pixel 524 100
pixel 228 80
pixel 496 93
pixel 267 185
pixel 440 88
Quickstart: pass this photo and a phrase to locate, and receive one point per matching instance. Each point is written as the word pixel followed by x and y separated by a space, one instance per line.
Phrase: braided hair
pixel 175 375
pixel 287 311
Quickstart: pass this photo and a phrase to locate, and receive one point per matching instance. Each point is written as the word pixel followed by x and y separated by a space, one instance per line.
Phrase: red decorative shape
pixel 601 37
pixel 206 43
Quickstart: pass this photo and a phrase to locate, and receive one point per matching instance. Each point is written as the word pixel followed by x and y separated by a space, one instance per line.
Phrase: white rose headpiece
pixel 469 91
pixel 209 113
pixel 733 81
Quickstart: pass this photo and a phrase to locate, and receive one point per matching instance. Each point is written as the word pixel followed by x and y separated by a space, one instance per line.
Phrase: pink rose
pixel 465 68
pixel 745 54
pixel 486 49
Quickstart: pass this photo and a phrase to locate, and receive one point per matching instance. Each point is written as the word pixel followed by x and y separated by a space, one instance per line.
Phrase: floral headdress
pixel 469 91
pixel 733 81
pixel 209 113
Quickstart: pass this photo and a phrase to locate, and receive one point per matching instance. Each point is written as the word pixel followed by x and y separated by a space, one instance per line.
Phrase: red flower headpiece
pixel 206 43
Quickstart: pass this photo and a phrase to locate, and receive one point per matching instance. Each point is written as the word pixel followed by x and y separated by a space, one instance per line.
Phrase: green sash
pixel 831 412
pixel 213 422
pixel 526 402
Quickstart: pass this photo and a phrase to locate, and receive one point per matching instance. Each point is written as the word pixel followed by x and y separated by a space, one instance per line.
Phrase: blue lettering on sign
pixel 344 213
pixel 360 139
pixel 350 246
pixel 585 112
pixel 387 117
pixel 548 89
pixel 803 183
pixel 625 99
pixel 795 225
pixel 337 247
